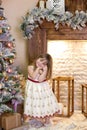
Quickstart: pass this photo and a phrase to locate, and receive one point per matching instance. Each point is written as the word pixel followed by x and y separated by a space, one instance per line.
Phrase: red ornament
pixel 9 44
pixel 9 70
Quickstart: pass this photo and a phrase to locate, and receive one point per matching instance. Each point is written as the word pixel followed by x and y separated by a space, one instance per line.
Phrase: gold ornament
pixel 0 86
pixel 0 53
pixel 9 28
pixel 1 18
pixel 6 78
pixel 0 30
pixel 11 61
pixel 14 45
pixel 4 74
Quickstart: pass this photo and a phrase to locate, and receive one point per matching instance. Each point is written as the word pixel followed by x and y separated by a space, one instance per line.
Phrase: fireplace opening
pixel 70 59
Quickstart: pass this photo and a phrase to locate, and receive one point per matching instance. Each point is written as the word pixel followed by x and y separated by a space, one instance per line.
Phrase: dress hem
pixel 41 116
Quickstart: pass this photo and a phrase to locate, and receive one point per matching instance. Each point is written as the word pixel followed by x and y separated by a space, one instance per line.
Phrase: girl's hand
pixel 45 68
pixel 40 71
pixel 41 62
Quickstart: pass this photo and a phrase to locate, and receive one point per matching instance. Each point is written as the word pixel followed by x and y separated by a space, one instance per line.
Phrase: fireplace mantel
pixel 63 33
pixel 46 31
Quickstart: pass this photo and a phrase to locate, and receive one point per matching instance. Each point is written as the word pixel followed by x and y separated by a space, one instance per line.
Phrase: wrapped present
pixel 16 106
pixel 20 109
pixel 9 121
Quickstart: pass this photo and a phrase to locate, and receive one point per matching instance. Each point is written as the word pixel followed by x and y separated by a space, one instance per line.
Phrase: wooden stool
pixel 84 99
pixel 70 102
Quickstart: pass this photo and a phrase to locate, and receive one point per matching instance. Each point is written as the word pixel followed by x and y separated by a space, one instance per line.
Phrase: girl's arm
pixel 43 74
pixel 33 73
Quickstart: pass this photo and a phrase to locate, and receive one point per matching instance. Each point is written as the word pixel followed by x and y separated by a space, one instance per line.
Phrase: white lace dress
pixel 40 100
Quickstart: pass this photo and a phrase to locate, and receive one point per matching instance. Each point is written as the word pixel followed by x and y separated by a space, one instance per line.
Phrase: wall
pixel 14 10
pixel 70 59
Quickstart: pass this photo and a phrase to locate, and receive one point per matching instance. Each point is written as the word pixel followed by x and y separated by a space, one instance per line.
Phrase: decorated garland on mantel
pixel 36 16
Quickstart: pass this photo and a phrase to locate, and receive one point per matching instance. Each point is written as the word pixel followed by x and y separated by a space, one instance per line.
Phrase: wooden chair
pixel 84 99
pixel 70 89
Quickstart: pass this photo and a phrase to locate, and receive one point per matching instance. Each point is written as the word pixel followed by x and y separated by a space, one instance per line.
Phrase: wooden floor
pixel 76 122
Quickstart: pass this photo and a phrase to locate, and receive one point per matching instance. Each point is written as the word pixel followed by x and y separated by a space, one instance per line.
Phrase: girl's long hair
pixel 49 63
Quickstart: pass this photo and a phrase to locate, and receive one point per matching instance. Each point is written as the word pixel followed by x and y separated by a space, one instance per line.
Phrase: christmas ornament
pixel 0 30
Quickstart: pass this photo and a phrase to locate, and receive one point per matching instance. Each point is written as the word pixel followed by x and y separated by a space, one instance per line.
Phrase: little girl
pixel 40 102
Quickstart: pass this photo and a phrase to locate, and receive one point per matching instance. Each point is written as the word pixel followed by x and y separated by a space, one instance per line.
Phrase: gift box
pixel 9 121
pixel 18 108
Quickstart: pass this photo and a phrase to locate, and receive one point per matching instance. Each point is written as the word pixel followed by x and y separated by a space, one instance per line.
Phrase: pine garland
pixel 36 16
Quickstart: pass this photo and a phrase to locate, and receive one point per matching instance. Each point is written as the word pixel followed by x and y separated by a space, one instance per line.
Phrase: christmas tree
pixel 10 77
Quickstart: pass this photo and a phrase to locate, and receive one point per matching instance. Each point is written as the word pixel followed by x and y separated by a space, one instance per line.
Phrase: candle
pixel 65 111
pixel 49 4
pixel 41 4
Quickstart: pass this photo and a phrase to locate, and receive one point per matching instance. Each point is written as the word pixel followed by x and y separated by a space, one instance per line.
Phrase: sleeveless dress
pixel 40 100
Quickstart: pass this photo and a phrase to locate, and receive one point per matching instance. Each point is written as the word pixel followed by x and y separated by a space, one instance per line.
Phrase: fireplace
pixel 70 59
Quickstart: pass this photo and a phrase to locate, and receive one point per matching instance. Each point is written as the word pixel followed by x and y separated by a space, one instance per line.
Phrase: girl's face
pixel 41 62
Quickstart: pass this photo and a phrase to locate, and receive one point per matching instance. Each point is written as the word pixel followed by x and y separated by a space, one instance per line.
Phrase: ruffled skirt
pixel 40 100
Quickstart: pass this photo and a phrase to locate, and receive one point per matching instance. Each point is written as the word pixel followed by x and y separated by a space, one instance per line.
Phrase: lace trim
pixel 41 116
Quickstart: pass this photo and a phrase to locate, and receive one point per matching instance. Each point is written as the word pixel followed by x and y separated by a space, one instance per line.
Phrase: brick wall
pixel 70 59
